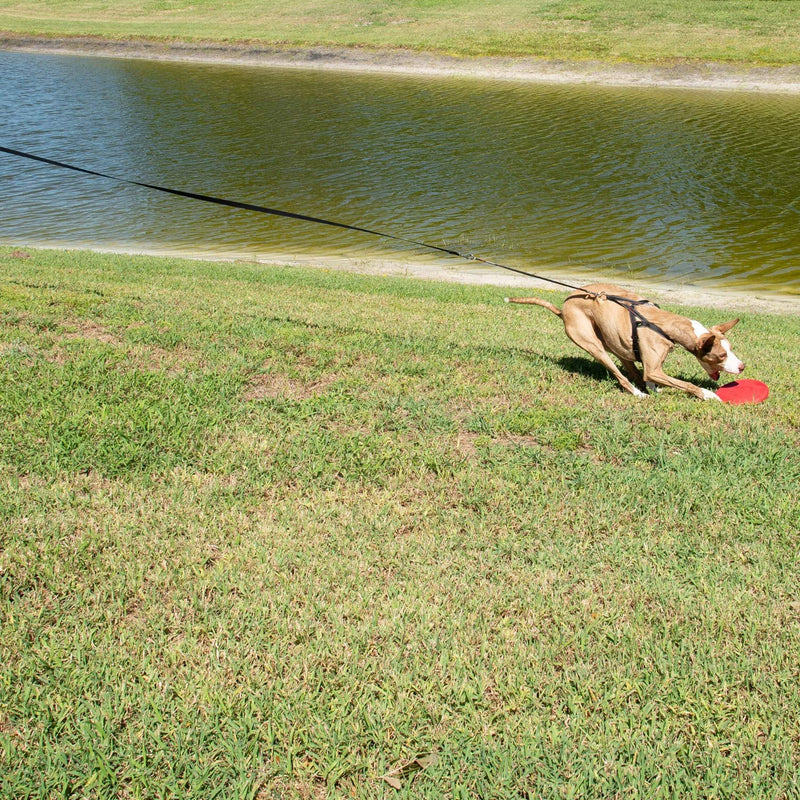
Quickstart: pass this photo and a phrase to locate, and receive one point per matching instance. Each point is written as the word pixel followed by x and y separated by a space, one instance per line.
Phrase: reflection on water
pixel 663 184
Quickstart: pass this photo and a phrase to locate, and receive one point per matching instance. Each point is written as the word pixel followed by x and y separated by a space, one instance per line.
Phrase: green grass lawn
pixel 748 31
pixel 285 533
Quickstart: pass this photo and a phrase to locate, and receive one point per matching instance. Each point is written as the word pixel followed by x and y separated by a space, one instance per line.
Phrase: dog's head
pixel 714 350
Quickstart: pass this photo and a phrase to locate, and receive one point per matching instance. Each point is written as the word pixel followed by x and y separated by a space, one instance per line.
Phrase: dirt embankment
pixel 681 75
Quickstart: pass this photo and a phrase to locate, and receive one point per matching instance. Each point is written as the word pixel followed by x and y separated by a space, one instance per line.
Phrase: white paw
pixel 709 395
pixel 638 392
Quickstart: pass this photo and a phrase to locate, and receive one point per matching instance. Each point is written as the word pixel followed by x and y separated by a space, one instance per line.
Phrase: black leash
pixel 636 318
pixel 278 213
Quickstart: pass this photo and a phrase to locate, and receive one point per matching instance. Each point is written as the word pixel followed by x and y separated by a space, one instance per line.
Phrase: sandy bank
pixel 719 77
pixel 468 273
pixel 479 275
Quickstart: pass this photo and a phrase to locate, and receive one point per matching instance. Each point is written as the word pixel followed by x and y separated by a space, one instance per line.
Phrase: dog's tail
pixel 535 301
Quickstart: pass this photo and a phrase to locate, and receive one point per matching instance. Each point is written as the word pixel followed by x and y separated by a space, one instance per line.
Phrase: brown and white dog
pixel 636 330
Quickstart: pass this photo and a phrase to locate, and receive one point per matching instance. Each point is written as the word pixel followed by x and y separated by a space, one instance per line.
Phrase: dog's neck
pixel 684 332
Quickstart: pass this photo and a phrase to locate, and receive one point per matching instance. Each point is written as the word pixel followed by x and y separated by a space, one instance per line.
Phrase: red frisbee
pixel 745 391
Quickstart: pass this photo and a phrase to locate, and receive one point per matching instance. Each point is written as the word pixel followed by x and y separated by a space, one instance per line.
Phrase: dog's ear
pixel 705 343
pixel 724 327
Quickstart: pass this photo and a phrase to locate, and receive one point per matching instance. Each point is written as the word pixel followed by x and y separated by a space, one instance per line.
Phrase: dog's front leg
pixel 658 376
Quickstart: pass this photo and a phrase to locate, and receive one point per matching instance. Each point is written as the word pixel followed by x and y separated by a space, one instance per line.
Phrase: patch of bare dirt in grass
pixel 152 358
pixel 520 440
pixel 8 729
pixel 279 788
pixel 17 254
pixel 146 357
pixel 466 444
pixel 88 329
pixel 274 386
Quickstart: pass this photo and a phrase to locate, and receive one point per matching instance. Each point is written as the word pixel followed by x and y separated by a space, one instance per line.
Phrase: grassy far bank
pixel 285 533
pixel 743 31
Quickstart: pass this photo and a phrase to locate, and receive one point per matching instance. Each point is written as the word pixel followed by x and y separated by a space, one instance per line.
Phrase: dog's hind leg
pixel 634 373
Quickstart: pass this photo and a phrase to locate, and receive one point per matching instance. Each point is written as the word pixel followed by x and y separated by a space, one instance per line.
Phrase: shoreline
pixel 665 293
pixel 698 76
pixel 420 268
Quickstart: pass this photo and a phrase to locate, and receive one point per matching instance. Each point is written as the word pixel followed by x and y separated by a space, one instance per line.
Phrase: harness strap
pixel 637 352
pixel 638 321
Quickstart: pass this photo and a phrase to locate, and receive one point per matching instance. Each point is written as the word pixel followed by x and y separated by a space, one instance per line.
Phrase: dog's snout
pixel 732 364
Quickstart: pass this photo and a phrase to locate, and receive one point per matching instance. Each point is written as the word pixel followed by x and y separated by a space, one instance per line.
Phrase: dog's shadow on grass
pixel 589 368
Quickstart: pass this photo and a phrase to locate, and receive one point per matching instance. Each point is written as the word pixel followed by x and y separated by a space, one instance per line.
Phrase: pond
pixel 671 185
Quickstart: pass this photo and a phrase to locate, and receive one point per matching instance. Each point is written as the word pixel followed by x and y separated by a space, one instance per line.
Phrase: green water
pixel 686 187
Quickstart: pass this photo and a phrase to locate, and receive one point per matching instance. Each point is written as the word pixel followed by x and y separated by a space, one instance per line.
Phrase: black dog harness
pixel 638 321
